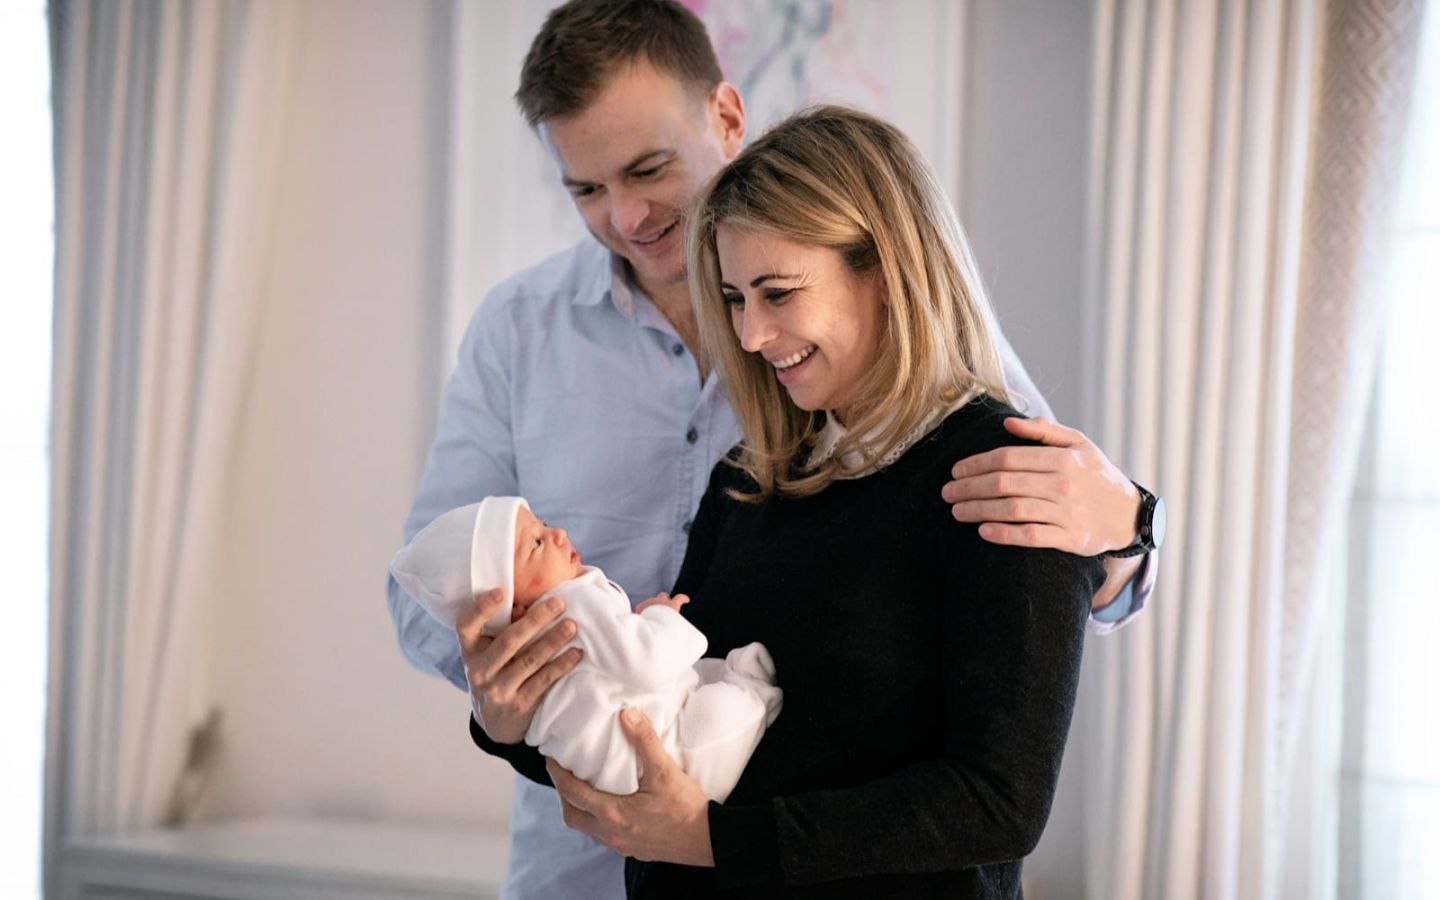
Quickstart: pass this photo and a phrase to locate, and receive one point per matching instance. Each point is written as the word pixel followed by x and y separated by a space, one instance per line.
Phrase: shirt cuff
pixel 1131 599
pixel 745 844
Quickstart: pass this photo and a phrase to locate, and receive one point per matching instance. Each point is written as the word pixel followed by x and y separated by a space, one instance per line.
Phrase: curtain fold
pixel 168 117
pixel 1243 163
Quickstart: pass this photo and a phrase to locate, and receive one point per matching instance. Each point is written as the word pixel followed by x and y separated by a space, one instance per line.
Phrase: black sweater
pixel 929 680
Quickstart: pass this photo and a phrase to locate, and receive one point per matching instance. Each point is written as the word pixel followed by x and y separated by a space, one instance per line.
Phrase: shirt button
pixel 692 436
pixel 678 349
pixel 686 527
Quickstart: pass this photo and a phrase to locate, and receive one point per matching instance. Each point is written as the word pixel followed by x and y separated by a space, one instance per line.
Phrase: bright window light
pixel 1390 786
pixel 27 245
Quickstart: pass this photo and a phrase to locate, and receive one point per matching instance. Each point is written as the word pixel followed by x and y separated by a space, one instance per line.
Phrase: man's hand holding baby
pixel 509 674
pixel 663 599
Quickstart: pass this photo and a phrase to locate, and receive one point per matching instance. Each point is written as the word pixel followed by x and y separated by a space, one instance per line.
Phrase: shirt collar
pixel 622 287
pixel 852 464
pixel 607 275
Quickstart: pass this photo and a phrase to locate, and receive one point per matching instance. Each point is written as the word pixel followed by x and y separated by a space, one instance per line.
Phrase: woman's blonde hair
pixel 839 178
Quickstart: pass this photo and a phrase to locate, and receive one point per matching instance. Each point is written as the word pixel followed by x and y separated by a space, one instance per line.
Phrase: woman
pixel 929 676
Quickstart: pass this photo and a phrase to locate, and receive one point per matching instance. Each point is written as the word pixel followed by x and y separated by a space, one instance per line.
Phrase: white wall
pixel 1026 156
pixel 1025 153
pixel 323 716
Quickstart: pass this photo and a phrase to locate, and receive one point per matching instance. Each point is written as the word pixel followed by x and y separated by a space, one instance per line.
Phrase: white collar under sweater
pixel 853 463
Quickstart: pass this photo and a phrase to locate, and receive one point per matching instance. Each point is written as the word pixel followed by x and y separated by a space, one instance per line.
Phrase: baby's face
pixel 544 557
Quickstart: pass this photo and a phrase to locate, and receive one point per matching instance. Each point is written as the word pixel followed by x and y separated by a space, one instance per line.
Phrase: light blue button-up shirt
pixel 572 390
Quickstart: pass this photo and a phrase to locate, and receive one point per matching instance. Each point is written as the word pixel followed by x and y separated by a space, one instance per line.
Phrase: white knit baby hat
pixel 433 568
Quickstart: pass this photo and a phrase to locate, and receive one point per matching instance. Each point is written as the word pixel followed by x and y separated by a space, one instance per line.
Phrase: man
pixel 579 386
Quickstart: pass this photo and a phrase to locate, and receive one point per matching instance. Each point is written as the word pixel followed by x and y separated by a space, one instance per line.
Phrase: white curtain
pixel 1244 155
pixel 167 116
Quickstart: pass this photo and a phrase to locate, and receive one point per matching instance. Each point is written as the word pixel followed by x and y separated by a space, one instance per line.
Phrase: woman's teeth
pixel 794 359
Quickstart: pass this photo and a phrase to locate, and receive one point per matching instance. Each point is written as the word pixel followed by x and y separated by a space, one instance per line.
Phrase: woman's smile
pixel 789 367
pixel 813 319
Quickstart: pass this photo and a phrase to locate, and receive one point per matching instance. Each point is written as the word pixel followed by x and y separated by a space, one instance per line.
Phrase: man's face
pixel 634 159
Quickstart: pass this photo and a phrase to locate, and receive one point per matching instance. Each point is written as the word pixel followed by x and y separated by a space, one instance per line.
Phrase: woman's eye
pixel 648 173
pixel 733 299
pixel 777 295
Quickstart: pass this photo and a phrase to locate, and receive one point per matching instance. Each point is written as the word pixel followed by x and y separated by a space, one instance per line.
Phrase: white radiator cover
pixel 287 859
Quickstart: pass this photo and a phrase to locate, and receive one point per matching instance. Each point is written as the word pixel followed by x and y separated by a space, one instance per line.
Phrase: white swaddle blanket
pixel 710 714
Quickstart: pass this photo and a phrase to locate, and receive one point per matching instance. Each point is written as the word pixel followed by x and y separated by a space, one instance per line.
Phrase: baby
pixel 709 713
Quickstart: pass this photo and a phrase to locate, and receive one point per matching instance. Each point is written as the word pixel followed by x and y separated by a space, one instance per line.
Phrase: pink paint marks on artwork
pixel 786 54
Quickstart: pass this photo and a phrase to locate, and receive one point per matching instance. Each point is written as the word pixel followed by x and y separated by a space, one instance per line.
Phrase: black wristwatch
pixel 1149 526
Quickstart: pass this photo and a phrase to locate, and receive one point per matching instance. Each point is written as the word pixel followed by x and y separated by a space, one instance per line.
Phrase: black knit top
pixel 929 679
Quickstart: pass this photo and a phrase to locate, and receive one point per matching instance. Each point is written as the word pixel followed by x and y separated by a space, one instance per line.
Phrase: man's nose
pixel 627 211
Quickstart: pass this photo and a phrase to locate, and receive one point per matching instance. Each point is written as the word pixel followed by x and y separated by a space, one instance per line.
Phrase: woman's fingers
pixel 574 792
pixel 654 761
pixel 510 673
pixel 470 624
pixel 664 819
pixel 502 651
pixel 529 695
pixel 531 658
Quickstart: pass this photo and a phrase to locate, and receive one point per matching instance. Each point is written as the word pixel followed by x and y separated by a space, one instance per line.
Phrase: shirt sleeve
pixel 1026 397
pixel 473 457
pixel 1009 674
pixel 1131 599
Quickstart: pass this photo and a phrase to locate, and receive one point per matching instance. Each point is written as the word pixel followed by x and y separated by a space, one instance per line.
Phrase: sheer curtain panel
pixel 1244 155
pixel 167 116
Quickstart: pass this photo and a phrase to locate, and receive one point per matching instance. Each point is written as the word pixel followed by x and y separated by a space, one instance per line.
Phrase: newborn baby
pixel 709 713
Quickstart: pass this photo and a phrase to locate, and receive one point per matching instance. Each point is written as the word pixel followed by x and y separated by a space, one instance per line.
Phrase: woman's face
pixel 815 322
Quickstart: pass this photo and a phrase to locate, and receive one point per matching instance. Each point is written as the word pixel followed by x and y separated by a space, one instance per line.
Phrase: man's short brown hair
pixel 584 42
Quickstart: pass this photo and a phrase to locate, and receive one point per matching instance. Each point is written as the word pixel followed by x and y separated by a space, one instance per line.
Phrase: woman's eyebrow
pixel 758 280
pixel 761 279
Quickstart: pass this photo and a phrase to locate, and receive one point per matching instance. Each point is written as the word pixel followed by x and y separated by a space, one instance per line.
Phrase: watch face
pixel 1157 523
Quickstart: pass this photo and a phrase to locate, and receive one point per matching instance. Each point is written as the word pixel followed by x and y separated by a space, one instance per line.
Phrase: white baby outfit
pixel 710 713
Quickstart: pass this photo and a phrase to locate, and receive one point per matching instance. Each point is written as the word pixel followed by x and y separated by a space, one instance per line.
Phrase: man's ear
pixel 727 111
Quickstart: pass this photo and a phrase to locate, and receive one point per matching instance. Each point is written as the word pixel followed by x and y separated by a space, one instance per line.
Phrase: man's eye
pixel 581 191
pixel 648 173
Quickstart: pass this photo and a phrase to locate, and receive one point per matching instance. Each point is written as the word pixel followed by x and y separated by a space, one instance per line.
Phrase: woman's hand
pixel 666 820
pixel 510 673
